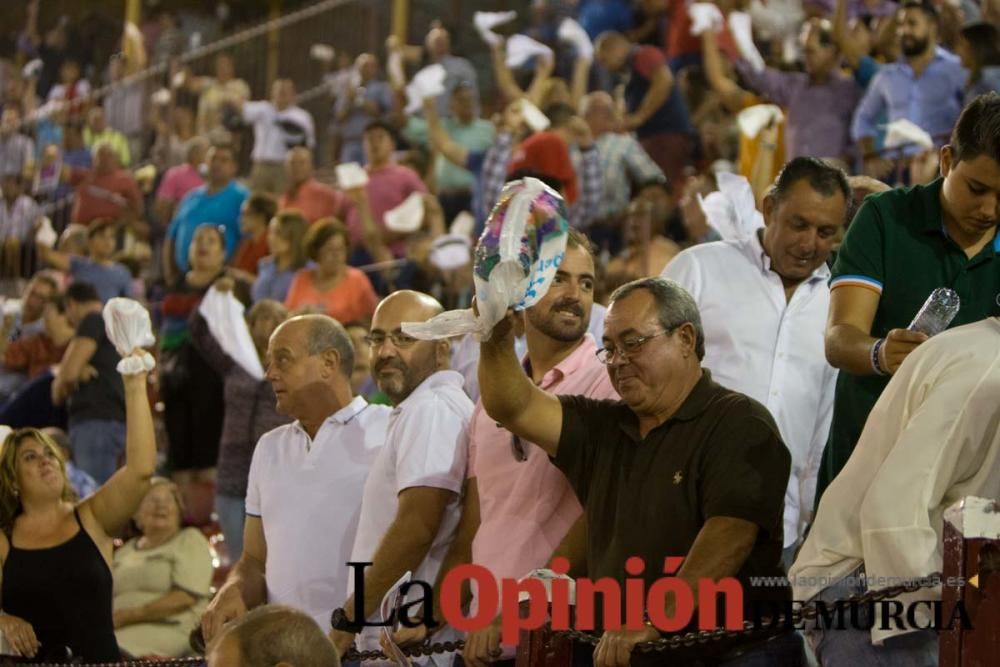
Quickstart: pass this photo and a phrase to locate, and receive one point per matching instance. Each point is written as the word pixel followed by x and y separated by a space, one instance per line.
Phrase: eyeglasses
pixel 398 339
pixel 627 347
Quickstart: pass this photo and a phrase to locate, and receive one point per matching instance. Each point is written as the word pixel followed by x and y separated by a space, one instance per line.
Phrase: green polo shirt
pixel 897 246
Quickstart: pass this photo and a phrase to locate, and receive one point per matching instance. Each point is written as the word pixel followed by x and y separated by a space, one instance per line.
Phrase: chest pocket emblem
pixel 678 477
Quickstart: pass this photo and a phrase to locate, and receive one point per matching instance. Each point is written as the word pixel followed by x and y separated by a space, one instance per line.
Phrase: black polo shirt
pixel 719 455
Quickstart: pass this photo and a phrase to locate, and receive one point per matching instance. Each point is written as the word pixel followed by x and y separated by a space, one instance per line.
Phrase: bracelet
pixel 876 346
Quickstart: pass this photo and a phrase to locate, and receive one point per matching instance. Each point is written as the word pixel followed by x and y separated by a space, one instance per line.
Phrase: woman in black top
pixel 56 554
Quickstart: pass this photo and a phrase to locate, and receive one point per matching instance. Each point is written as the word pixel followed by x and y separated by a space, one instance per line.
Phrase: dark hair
pixel 47 278
pixel 977 131
pixel 379 124
pixel 80 292
pixel 984 42
pixel 923 5
pixel 218 229
pixel 559 114
pixel 322 231
pixel 822 177
pixel 58 301
pixel 292 227
pixel 99 225
pixel 577 239
pixel 549 180
pixel 263 205
pixel 674 306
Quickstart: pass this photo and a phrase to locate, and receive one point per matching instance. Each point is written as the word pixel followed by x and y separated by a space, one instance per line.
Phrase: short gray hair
pixel 325 334
pixel 674 306
pixel 271 634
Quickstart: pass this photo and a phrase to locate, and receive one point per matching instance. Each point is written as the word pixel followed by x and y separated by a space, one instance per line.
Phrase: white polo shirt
pixel 770 348
pixel 268 136
pixel 308 496
pixel 426 445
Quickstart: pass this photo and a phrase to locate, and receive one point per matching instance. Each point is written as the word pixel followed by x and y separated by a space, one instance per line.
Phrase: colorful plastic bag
pixel 515 262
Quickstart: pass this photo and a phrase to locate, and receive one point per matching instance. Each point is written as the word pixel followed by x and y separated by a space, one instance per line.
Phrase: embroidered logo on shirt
pixel 678 477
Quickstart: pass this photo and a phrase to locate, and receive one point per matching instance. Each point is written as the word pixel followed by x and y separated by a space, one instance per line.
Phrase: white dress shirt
pixel 268 136
pixel 931 440
pixel 307 494
pixel 426 445
pixel 769 348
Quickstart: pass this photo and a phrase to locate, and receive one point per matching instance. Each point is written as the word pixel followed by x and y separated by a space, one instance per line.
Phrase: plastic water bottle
pixel 937 312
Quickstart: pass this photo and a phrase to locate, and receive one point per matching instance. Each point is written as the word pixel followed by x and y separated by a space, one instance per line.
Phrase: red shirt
pixel 315 200
pixel 33 355
pixel 109 195
pixel 680 41
pixel 249 252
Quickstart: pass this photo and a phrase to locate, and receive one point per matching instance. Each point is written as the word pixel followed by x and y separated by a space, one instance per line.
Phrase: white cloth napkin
pixel 705 16
pixel 484 23
pixel 903 132
pixel 754 119
pixel 408 216
pixel 533 116
pixel 520 48
pixel 351 175
pixel 732 210
pixel 223 313
pixel 46 234
pixel 428 82
pixel 742 31
pixel 128 328
pixel 572 32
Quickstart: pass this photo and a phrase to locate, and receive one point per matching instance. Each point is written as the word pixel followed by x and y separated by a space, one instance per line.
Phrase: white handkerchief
pixel 486 21
pixel 740 26
pixel 705 16
pixel 46 234
pixel 406 217
pixel 351 175
pixel 534 117
pixel 903 132
pixel 224 315
pixel 428 82
pixel 463 224
pixel 451 251
pixel 11 307
pixel 321 52
pixel 754 119
pixel 520 48
pixel 572 32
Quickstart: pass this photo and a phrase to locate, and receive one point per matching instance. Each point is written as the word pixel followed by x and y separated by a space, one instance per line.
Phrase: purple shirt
pixel 819 115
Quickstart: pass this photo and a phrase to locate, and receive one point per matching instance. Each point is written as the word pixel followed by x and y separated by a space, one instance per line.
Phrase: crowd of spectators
pixel 724 146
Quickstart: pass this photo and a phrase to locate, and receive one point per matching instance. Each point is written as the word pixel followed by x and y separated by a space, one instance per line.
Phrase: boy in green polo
pixel 902 245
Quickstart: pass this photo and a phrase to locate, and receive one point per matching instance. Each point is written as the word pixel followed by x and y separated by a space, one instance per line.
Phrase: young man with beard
pixel 305 479
pixel 764 323
pixel 902 245
pixel 412 498
pixel 924 87
pixel 518 507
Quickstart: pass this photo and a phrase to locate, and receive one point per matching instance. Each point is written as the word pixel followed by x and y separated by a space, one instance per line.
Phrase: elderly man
pixel 365 99
pixel 218 201
pixel 412 498
pixel 765 323
pixel 930 441
pixel 306 479
pixel 458 70
pixel 314 199
pixel 696 471
pixel 104 191
pixel 273 636
pixel 17 150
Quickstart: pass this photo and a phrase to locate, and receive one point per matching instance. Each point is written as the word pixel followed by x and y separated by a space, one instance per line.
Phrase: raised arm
pixel 660 84
pixel 851 50
pixel 510 397
pixel 57 260
pixel 543 72
pixel 117 500
pixel 439 138
pixel 733 97
pixel 508 87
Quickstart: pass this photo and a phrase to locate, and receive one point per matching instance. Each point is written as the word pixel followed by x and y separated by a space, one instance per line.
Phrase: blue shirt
pixel 933 100
pixel 197 208
pixel 270 282
pixel 109 281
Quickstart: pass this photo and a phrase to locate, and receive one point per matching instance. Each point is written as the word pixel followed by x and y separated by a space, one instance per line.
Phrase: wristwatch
pixel 340 621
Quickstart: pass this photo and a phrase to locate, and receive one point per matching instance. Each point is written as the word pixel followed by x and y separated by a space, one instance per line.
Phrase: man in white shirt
pixel 931 440
pixel 306 479
pixel 763 301
pixel 412 498
pixel 278 126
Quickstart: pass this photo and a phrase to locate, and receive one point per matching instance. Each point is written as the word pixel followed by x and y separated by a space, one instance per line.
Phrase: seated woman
pixel 341 291
pixel 286 242
pixel 55 552
pixel 162 579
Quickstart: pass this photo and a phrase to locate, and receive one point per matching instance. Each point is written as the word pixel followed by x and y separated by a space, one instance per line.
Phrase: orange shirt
pixel 353 299
pixel 315 200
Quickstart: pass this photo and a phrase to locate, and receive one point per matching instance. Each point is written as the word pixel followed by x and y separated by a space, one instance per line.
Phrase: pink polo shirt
pixel 387 188
pixel 526 508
